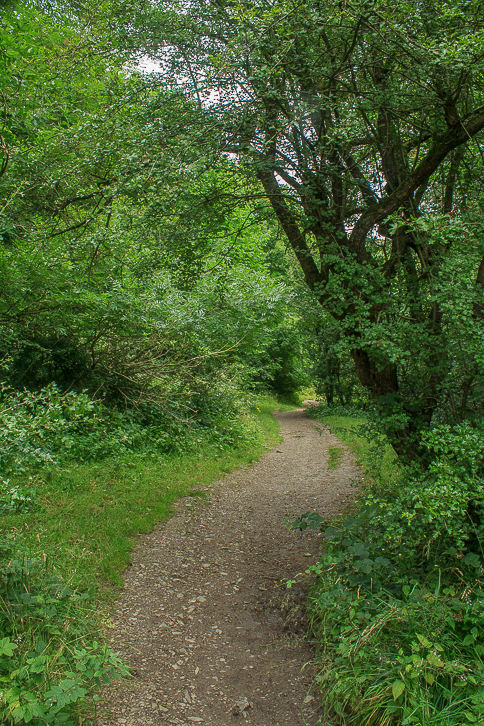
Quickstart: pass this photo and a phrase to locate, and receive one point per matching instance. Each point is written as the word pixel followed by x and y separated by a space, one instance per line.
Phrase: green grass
pixel 88 515
pixel 85 520
pixel 397 635
pixel 335 457
pixel 375 456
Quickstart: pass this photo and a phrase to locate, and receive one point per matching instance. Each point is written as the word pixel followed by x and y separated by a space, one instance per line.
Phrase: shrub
pixel 49 427
pixel 45 427
pixel 48 657
pixel 438 512
pixel 396 600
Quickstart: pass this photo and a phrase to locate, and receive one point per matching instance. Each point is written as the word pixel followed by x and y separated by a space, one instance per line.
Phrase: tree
pixel 119 259
pixel 360 121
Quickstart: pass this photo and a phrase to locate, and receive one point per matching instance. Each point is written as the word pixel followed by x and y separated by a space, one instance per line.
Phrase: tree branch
pixel 454 137
pixel 289 224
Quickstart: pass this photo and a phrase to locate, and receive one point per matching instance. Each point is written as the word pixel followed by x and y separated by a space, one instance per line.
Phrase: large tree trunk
pixel 379 382
pixel 383 382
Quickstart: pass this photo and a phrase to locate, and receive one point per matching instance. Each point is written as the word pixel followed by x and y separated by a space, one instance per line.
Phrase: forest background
pixel 202 202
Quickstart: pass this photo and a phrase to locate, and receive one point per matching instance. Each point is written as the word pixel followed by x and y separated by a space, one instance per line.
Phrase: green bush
pixel 438 512
pixel 48 657
pixel 396 600
pixel 47 427
pixel 44 359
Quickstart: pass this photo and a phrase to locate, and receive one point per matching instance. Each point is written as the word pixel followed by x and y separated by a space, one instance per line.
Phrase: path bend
pixel 200 620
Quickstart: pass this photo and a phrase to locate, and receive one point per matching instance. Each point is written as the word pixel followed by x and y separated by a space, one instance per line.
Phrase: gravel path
pixel 203 621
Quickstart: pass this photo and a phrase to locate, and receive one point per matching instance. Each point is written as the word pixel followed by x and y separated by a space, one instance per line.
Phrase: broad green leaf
pixel 398 688
pixel 7 647
pixel 434 660
pixel 424 641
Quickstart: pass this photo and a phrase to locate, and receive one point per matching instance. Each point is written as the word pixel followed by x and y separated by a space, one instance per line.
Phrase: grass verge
pixel 375 455
pixel 395 611
pixel 63 563
pixel 335 456
pixel 90 513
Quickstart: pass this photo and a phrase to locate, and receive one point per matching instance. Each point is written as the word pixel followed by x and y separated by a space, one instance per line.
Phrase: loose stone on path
pixel 201 619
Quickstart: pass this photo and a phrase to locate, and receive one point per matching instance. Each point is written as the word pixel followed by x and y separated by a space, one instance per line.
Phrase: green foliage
pixel 387 659
pixel 333 372
pixel 440 508
pixel 309 520
pixel 399 634
pixel 47 428
pixel 335 456
pixel 49 657
pixel 130 333
pixel 146 293
pixel 378 201
pixel 15 498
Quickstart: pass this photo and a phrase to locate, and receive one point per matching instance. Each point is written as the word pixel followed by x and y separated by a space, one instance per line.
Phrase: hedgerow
pixel 396 602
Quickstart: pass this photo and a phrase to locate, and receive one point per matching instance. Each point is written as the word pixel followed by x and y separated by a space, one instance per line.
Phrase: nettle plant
pixel 49 659
pixel 439 510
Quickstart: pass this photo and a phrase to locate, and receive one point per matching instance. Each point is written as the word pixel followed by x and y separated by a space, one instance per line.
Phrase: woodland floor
pixel 210 634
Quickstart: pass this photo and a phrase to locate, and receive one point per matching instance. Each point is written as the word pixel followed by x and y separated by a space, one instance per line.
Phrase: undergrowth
pixel 396 600
pixel 335 457
pixel 50 656
pixel 79 482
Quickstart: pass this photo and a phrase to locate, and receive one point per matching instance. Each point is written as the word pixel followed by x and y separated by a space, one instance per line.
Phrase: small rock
pixel 241 706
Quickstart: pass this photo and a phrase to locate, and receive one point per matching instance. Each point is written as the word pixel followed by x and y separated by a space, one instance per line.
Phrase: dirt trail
pixel 200 620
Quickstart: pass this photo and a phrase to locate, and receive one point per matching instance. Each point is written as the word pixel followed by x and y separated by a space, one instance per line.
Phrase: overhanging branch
pixel 458 134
